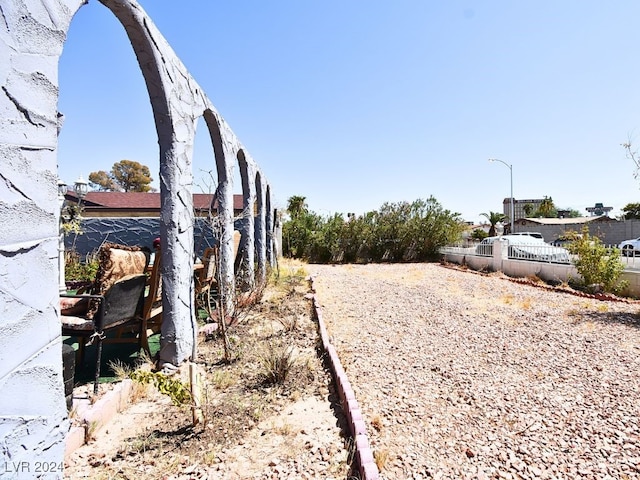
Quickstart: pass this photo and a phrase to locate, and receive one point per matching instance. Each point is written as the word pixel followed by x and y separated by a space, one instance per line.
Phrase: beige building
pixel 519 207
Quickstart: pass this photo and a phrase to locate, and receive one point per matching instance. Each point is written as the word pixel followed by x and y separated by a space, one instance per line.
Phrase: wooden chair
pixel 119 306
pixel 205 278
pixel 114 263
pixel 152 312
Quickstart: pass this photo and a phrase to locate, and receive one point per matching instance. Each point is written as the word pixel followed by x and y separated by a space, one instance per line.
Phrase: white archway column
pixel 261 231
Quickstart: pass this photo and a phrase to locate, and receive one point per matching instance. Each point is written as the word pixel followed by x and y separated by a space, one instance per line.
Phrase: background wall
pixel 610 232
pixel 132 231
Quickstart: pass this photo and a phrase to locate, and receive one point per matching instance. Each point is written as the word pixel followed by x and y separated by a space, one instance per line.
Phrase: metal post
pixel 513 212
pixel 511 219
pixel 62 286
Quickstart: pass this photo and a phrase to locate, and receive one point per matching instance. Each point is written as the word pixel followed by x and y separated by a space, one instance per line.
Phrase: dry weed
pixel 277 363
pixel 90 430
pixel 376 422
pixel 284 429
pixel 533 278
pixel 381 456
pixel 222 379
pixel 508 299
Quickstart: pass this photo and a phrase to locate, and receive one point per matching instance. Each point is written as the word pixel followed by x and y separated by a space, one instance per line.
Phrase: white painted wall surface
pixel 33 417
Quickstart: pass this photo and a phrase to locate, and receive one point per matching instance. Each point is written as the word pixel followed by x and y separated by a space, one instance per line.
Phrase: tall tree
pixel 631 211
pixel 494 218
pixel 528 209
pixel 125 176
pixel 296 206
pixel 547 209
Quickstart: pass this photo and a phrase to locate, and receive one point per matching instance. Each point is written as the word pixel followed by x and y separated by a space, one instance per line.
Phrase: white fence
pixel 496 258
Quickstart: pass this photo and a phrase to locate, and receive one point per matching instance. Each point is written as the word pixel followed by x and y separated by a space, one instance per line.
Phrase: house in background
pixel 139 204
pixel 133 218
pixel 609 230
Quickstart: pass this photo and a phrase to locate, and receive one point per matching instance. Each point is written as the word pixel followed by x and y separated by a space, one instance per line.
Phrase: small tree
pixel 599 266
pixel 494 218
pixel 528 209
pixel 125 176
pixel 479 234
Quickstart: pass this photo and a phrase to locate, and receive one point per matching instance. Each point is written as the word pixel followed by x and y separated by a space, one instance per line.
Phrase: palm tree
pixel 528 209
pixel 547 208
pixel 296 206
pixel 494 218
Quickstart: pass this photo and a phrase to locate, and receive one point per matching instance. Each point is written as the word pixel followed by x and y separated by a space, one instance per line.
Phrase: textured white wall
pixel 33 421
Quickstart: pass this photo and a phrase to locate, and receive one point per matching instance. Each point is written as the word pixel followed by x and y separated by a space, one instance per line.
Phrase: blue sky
pixel 352 103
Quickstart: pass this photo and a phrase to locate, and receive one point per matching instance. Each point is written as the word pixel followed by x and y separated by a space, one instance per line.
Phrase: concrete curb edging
pixel 93 417
pixel 363 453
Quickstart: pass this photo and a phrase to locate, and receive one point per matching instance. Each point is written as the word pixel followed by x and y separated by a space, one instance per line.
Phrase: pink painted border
pixel 364 455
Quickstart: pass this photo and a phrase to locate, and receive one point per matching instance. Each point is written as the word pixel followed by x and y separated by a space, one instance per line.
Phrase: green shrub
pixel 599 266
pixel 77 270
pixel 177 391
pixel 397 232
pixel 479 234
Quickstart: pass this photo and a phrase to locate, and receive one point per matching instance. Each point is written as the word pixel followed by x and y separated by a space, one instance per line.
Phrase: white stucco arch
pixel 32 36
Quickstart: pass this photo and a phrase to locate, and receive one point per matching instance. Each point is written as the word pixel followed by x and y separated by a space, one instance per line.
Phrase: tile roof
pixel 141 201
pixel 567 221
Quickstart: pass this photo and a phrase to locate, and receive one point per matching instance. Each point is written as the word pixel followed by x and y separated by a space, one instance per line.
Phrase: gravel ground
pixel 461 375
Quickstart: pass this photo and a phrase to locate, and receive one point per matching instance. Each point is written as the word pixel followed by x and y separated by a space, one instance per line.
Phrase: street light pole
pixel 511 175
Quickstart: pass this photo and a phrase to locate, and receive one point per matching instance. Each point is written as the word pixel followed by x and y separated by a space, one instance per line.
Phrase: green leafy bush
pixel 397 232
pixel 77 270
pixel 599 266
pixel 479 234
pixel 177 391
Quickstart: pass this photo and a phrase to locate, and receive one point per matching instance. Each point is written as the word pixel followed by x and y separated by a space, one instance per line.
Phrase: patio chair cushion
pixel 115 262
pixel 73 306
pixel 77 323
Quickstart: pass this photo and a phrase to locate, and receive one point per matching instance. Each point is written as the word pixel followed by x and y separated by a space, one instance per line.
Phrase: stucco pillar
pixel 177 101
pixel 260 232
pixel 33 417
pixel 179 328
pixel 225 213
pixel 247 246
pixel 500 251
pixel 269 213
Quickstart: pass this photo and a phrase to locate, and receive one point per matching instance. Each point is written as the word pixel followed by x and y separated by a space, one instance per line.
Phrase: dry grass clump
pixel 277 363
pixel 272 367
pixel 533 278
pixel 381 457
pixel 376 422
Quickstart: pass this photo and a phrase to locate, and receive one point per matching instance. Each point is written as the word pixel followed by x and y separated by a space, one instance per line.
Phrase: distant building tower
pixel 520 207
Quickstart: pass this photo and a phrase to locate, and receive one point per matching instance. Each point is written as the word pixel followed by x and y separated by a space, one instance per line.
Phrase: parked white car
pixel 525 247
pixel 531 234
pixel 629 248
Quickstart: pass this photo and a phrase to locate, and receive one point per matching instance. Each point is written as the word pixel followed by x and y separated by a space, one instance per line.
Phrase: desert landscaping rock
pixel 471 376
pixel 457 376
